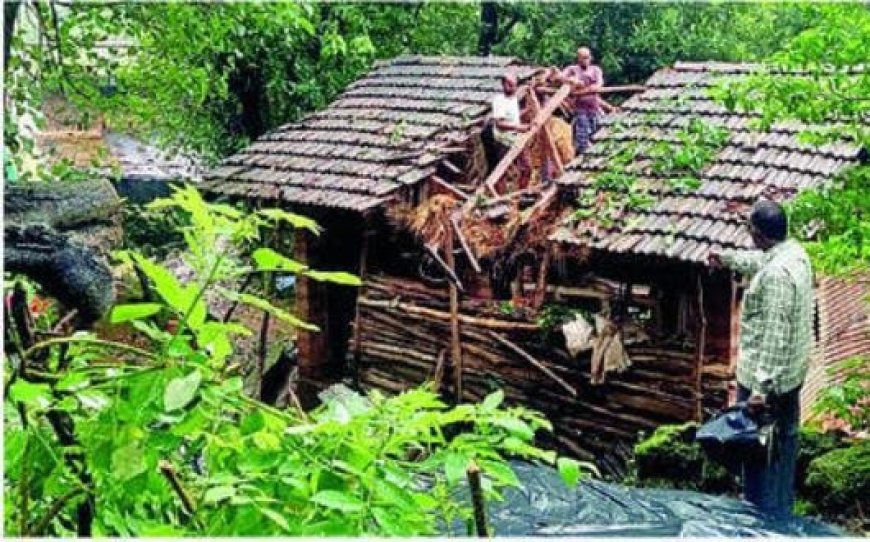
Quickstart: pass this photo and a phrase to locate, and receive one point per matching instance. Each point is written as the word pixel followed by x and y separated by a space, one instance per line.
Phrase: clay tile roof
pixel 751 164
pixel 385 132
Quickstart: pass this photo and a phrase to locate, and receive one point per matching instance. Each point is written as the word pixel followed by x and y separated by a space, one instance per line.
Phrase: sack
pixel 734 437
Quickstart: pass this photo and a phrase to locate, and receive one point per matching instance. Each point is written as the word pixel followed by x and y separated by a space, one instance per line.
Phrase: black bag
pixel 734 437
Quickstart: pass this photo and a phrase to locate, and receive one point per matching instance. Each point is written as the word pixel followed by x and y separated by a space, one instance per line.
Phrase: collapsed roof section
pixel 386 132
pixel 687 224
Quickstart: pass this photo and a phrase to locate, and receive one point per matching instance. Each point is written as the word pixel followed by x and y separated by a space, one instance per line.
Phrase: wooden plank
pixel 534 362
pixel 548 137
pixel 464 243
pixel 449 187
pixel 455 338
pixel 523 140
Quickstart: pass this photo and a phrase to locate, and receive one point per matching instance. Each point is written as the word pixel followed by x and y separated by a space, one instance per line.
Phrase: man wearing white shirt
pixel 506 114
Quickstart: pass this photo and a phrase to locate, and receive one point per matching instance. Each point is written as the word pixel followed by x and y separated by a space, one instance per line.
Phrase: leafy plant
pixel 162 441
pixel 846 406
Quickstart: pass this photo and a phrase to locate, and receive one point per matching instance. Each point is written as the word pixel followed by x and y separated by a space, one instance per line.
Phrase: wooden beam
pixel 535 363
pixel 455 337
pixel 451 275
pixel 548 137
pixel 524 138
pixel 449 187
pixel 701 347
pixel 464 244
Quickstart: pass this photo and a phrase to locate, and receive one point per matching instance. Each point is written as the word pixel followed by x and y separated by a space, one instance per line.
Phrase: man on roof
pixel 506 122
pixel 587 107
pixel 775 338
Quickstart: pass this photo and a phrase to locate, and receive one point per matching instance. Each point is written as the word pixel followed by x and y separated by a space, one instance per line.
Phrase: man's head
pixel 767 224
pixel 509 84
pixel 584 57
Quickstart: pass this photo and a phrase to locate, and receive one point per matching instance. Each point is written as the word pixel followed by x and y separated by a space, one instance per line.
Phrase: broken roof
pixel 387 131
pixel 686 225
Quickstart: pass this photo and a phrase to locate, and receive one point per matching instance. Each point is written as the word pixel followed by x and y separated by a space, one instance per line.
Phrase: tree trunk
pixel 488 27
pixel 58 235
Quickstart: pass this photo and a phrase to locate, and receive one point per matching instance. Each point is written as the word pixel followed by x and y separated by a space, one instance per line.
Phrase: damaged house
pixel 578 285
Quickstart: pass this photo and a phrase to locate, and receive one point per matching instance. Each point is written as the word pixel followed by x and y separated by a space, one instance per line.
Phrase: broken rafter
pixel 553 152
pixel 526 137
pixel 535 363
pixel 451 276
pixel 463 242
pixel 449 187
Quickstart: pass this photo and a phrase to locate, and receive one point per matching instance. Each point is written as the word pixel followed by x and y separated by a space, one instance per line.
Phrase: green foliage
pixel 174 447
pixel 838 482
pixel 831 84
pixel 671 458
pixel 846 406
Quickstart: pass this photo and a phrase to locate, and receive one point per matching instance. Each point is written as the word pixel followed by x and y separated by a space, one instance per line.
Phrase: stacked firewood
pixel 404 340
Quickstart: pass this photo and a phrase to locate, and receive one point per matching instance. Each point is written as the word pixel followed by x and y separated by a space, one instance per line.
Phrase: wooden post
pixel 455 338
pixel 701 347
pixel 357 321
pixel 541 287
pixel 477 500
pixel 311 306
pixel 548 137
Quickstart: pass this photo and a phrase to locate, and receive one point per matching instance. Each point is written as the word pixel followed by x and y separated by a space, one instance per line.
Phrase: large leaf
pixel 337 277
pixel 128 460
pixel 298 221
pixel 492 401
pixel 165 283
pixel 218 493
pixel 500 472
pixel 134 311
pixel 338 500
pixel 269 260
pixel 181 391
pixel 264 305
pixel 515 427
pixel 32 395
pixel 455 466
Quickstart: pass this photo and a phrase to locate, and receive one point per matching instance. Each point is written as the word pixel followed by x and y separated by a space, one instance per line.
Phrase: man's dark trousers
pixel 770 487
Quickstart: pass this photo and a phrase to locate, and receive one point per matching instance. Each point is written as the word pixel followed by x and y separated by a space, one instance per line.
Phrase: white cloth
pixel 506 108
pixel 578 335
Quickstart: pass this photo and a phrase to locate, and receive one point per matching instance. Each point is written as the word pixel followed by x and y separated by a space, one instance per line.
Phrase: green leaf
pixel 133 311
pixel 492 401
pixel 391 524
pixel 72 382
pixel 455 466
pixel 181 391
pixel 277 518
pixel 264 305
pixel 269 260
pixel 128 461
pixel 500 472
pixel 32 395
pixel 266 441
pixel 218 493
pixel 569 470
pixel 297 221
pixel 337 277
pixel 338 500
pixel 165 283
pixel 515 427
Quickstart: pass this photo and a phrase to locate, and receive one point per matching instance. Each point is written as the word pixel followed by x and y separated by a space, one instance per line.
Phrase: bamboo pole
pixel 491 323
pixel 464 244
pixel 535 363
pixel 699 362
pixel 449 187
pixel 548 137
pixel 455 338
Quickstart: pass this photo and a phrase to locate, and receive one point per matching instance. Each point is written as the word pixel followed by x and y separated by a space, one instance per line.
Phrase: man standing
pixel 506 114
pixel 587 108
pixel 775 338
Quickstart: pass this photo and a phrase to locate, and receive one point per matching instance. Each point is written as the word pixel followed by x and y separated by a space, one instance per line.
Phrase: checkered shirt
pixel 776 326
